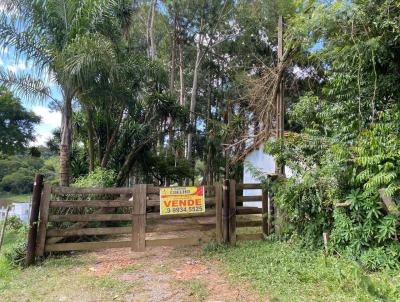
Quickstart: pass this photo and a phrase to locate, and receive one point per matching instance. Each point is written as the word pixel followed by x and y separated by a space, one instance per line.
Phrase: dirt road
pixel 168 274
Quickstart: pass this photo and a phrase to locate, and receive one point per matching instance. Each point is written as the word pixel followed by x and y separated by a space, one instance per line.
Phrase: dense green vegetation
pixel 16 123
pixel 344 139
pixel 18 162
pixel 17 172
pixel 286 271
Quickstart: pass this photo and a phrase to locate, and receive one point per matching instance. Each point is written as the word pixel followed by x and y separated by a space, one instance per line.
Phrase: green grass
pixel 286 272
pixel 15 197
pixel 60 279
pixel 196 289
pixel 130 268
pixel 63 278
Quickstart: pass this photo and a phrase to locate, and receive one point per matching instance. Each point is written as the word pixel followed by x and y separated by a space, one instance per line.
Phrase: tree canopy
pixel 16 123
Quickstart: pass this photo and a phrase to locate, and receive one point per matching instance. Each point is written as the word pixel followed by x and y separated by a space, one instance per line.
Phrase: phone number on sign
pixel 184 210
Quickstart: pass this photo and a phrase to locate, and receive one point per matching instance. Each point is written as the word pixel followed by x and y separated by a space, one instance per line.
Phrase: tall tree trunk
pixel 193 99
pixel 89 112
pixel 66 141
pixel 182 100
pixel 208 170
pixel 173 58
pixel 171 151
pixel 112 140
pixel 227 120
pixel 123 173
pixel 150 30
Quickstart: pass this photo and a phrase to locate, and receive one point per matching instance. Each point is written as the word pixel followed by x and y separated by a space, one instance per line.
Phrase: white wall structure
pixel 18 209
pixel 264 163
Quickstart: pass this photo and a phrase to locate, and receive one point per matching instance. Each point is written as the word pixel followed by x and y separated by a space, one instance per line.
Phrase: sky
pixel 50 120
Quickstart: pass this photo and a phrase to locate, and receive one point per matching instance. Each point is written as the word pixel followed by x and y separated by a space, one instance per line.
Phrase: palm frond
pixel 89 13
pixel 21 9
pixel 24 41
pixel 88 54
pixel 26 86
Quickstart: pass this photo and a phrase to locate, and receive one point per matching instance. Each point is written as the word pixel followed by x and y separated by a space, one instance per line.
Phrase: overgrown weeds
pixel 286 271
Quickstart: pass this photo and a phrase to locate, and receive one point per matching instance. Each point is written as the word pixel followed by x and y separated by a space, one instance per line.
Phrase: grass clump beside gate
pixel 286 272
pixel 14 245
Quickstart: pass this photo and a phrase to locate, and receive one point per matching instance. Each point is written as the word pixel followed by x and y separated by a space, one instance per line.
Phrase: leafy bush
pixel 15 243
pixel 378 258
pixel 15 255
pixel 99 178
pixel 15 224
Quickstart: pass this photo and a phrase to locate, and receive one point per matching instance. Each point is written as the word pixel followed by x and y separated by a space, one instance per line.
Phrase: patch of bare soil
pixel 168 274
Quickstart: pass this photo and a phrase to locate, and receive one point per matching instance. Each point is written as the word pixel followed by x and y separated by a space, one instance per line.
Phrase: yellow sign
pixel 182 200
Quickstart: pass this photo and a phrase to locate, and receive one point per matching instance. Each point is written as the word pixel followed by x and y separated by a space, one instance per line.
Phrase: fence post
pixel 270 214
pixel 139 218
pixel 218 212
pixel 3 228
pixel 44 218
pixel 232 212
pixel 265 212
pixel 33 220
pixel 225 204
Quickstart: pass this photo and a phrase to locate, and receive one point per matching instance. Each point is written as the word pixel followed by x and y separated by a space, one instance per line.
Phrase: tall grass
pixel 286 272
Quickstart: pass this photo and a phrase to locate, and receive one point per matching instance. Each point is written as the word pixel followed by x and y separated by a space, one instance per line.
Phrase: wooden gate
pixel 84 213
pixel 246 212
pixel 98 218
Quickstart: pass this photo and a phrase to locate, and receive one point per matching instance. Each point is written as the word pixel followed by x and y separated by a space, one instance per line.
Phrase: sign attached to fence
pixel 182 200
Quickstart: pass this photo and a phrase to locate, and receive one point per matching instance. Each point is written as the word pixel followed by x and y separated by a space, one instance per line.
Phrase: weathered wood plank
pixel 244 224
pixel 165 228
pixel 139 219
pixel 43 219
pixel 90 217
pixel 153 202
pixel 89 231
pixel 248 210
pixel 245 237
pixel 232 212
pixel 83 246
pixel 77 225
pixel 218 213
pixel 73 190
pixel 270 215
pixel 90 203
pixel 265 212
pixel 153 190
pixel 249 198
pixel 248 186
pixel 225 211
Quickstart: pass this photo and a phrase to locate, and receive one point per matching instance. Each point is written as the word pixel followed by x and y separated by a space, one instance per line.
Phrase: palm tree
pixel 43 31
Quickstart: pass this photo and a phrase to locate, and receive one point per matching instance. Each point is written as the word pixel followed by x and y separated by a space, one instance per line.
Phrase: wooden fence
pixel 98 218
